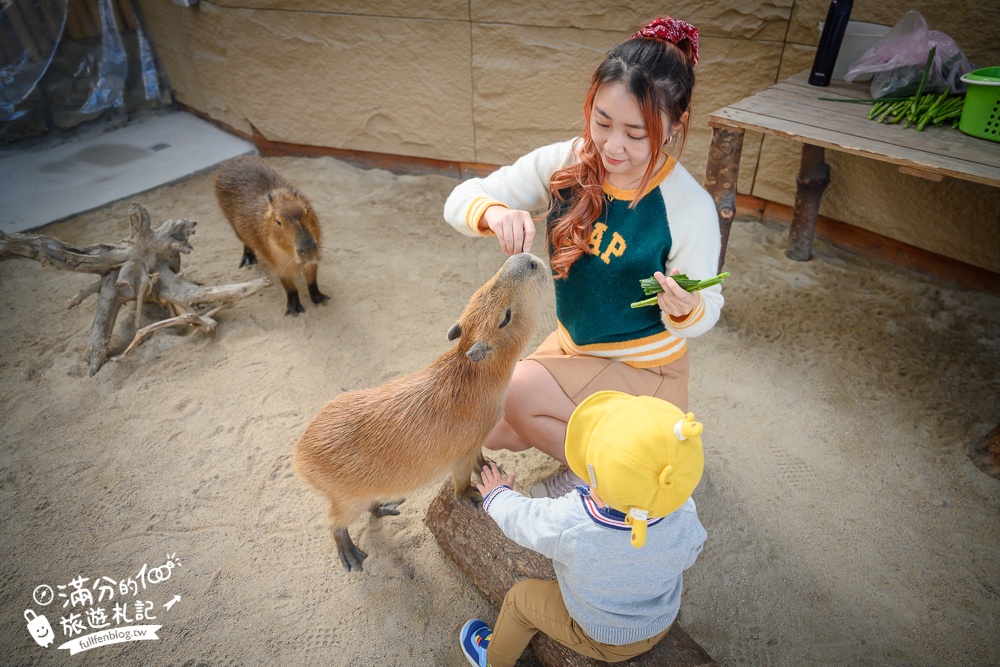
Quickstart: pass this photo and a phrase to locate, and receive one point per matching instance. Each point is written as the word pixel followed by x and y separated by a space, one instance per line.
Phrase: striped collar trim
pixel 606 516
pixel 629 195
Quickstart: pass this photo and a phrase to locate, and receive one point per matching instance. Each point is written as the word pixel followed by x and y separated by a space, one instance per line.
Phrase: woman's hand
pixel 492 478
pixel 514 229
pixel 675 301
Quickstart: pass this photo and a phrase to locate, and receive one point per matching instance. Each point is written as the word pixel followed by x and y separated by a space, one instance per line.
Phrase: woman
pixel 620 208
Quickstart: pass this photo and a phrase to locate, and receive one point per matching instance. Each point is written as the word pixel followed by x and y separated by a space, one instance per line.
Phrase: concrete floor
pixel 70 177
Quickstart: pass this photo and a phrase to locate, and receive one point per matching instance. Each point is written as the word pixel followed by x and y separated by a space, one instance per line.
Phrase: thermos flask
pixel 829 42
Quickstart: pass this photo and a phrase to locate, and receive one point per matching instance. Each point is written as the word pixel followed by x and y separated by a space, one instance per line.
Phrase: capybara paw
pixel 317 297
pixel 249 258
pixel 470 497
pixel 387 509
pixel 294 305
pixel 352 558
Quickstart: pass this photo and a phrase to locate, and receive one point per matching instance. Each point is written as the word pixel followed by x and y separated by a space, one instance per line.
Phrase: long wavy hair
pixel 660 76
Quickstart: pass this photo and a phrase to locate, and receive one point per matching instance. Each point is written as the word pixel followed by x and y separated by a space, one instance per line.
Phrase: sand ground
pixel 846 525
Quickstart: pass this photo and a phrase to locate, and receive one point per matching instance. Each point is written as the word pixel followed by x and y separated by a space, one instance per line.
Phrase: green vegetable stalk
pixel 651 286
pixel 918 110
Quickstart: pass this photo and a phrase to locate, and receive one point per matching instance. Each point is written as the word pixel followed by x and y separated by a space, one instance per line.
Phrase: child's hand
pixel 492 478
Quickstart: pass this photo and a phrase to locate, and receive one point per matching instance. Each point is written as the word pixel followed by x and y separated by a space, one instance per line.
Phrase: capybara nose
pixel 305 245
pixel 525 259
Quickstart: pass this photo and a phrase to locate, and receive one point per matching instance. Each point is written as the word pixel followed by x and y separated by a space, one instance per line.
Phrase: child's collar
pixel 606 516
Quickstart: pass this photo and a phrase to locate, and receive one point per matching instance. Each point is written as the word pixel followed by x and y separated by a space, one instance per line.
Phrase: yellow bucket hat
pixel 642 455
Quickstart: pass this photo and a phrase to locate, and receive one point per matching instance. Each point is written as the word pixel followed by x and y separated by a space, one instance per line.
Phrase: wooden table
pixel 791 109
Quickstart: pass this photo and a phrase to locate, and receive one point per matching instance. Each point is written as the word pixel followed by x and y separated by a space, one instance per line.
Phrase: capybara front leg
pixel 288 282
pixel 350 555
pixel 314 293
pixel 465 492
pixel 294 306
pixel 387 509
pixel 249 259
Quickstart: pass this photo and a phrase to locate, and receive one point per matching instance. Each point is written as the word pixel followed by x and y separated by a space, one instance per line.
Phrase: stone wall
pixel 483 81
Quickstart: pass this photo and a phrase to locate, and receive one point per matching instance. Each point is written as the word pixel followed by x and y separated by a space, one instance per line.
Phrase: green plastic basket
pixel 981 111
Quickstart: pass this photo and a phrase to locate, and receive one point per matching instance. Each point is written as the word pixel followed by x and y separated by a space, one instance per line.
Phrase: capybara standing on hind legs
pixel 368 448
pixel 275 222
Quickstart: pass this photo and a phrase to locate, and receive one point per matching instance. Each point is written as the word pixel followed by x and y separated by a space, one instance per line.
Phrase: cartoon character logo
pixel 39 628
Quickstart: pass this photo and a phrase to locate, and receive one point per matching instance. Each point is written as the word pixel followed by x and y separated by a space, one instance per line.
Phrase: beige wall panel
pixel 755 19
pixel 529 86
pixel 717 85
pixel 175 32
pixel 452 10
pixel 974 26
pixel 796 58
pixel 778 162
pixel 954 218
pixel 777 170
pixel 396 86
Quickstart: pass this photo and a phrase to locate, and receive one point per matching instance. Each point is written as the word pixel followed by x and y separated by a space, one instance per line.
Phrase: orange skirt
pixel 581 375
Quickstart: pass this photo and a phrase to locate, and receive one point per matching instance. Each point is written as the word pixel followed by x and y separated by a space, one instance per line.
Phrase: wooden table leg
pixel 814 175
pixel 721 175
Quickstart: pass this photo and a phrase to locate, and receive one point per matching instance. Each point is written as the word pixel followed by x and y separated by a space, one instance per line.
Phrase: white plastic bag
pixel 898 60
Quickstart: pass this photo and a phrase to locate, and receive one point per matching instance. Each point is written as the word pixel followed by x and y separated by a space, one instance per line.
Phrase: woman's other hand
pixel 674 300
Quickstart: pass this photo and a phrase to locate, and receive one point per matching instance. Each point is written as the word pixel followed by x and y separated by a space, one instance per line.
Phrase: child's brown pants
pixel 533 605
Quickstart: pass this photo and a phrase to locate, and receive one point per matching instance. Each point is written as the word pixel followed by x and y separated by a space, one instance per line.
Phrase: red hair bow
pixel 674 31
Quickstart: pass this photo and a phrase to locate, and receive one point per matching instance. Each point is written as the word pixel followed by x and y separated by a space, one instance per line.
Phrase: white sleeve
pixel 523 185
pixel 534 523
pixel 695 246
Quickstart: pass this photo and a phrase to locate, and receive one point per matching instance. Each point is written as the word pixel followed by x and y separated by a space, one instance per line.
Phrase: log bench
pixel 494 563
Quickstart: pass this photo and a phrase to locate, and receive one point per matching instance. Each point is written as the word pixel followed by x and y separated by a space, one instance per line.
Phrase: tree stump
pixel 494 563
pixel 144 268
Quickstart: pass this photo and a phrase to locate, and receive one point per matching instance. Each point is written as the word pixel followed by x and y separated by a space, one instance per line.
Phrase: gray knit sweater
pixel 617 593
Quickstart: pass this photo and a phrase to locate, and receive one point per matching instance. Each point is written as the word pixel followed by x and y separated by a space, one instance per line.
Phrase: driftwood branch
pixel 203 322
pixel 144 268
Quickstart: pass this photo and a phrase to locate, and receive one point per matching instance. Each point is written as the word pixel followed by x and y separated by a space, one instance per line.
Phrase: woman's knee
pixel 534 392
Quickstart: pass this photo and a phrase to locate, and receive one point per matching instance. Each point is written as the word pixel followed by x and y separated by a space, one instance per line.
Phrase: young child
pixel 620 208
pixel 618 548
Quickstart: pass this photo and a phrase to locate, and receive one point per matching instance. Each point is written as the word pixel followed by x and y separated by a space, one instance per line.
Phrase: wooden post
pixel 494 563
pixel 721 176
pixel 814 176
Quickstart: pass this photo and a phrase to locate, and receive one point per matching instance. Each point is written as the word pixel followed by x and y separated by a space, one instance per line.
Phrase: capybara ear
pixel 455 331
pixel 479 351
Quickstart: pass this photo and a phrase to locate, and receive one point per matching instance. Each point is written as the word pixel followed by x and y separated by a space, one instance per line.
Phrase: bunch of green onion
pixel 919 109
pixel 651 286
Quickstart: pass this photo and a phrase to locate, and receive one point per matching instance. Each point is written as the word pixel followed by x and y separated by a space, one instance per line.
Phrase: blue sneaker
pixel 475 639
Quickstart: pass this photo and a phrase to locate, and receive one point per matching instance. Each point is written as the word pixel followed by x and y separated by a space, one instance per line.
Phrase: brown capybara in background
pixel 275 222
pixel 368 448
